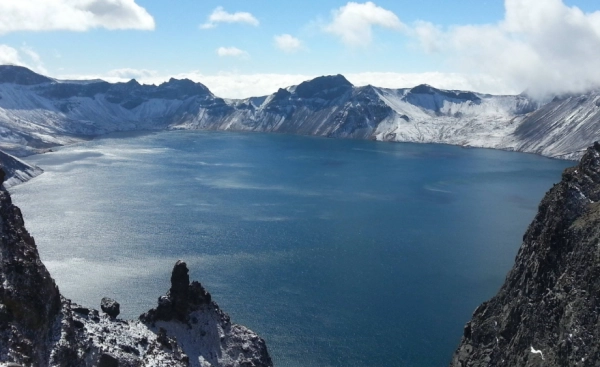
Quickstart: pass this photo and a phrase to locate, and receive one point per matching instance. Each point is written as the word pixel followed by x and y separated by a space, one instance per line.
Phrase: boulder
pixel 111 307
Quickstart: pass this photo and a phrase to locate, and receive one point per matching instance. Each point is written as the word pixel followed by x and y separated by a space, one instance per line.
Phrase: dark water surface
pixel 338 252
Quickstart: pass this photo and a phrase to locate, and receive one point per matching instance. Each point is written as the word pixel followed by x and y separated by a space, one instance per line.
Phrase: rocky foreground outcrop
pixel 547 313
pixel 39 327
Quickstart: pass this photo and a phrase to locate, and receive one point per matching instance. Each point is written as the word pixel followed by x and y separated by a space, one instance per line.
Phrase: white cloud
pixel 35 58
pixel 226 85
pixel 542 46
pixel 219 15
pixel 288 43
pixel 353 22
pixel 72 15
pixel 235 85
pixel 231 51
pixel 25 56
pixel 470 82
pixel 129 73
pixel 429 35
pixel 9 56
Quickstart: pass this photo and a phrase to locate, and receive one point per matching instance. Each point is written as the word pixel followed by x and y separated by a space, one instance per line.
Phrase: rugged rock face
pixel 204 332
pixel 29 299
pixel 182 298
pixel 39 328
pixel 547 313
pixel 21 75
pixel 111 307
pixel 37 113
pixel 564 126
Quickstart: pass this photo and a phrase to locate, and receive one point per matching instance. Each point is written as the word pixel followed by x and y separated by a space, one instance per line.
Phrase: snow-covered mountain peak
pixel 21 75
pixel 324 87
pixel 185 84
pixel 34 117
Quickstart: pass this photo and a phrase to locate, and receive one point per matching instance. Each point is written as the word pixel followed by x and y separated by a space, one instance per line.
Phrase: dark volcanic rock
pixel 180 283
pixel 132 93
pixel 188 313
pixel 111 307
pixel 427 89
pixel 325 87
pixel 180 89
pixel 29 299
pixel 68 90
pixel 21 75
pixel 128 95
pixel 547 313
pixel 106 360
pixel 182 298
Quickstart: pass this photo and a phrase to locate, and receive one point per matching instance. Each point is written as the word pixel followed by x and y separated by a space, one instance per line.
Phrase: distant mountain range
pixel 38 112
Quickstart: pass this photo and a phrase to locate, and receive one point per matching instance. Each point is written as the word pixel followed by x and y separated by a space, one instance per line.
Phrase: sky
pixel 245 48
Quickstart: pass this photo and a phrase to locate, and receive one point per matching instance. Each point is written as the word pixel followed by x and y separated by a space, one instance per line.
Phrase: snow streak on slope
pixel 563 128
pixel 481 120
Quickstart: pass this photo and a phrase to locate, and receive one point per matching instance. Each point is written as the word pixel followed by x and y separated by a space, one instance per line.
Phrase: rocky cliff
pixel 38 327
pixel 547 313
pixel 37 112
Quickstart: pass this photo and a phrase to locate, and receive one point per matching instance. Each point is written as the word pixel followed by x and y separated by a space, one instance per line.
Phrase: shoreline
pixel 139 133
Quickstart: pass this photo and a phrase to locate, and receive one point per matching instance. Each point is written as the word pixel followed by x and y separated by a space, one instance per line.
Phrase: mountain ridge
pixel 38 112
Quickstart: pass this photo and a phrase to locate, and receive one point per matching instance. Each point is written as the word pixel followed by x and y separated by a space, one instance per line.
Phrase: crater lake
pixel 338 252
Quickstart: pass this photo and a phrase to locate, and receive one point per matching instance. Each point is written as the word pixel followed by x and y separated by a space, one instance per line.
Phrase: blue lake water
pixel 338 252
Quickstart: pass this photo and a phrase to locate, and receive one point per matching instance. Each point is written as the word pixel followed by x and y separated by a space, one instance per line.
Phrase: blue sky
pixel 491 46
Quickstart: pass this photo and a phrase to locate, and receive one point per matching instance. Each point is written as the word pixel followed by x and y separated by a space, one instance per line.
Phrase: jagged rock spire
pixel 181 299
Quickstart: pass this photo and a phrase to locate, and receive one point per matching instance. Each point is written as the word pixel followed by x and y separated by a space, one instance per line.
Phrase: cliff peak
pixel 326 87
pixel 550 301
pixel 21 75
pixel 182 298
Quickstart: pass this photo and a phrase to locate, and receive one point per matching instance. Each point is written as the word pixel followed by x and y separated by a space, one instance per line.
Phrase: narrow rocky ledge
pixel 547 313
pixel 39 327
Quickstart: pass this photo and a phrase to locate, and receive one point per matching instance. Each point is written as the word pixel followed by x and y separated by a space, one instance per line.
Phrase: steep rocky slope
pixel 38 327
pixel 37 112
pixel 563 128
pixel 547 313
pixel 16 170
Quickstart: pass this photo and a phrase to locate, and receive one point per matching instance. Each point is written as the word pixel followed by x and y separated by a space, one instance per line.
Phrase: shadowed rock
pixel 182 298
pixel 20 75
pixel 111 307
pixel 188 315
pixel 29 299
pixel 548 310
